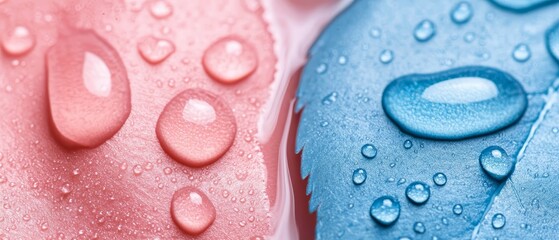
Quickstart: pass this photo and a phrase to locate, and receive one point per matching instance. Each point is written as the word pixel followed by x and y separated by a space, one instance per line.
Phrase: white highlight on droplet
pixel 461 90
pixel 199 112
pixel 96 75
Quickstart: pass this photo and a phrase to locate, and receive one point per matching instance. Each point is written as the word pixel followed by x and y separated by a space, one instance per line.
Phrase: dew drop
pixel 161 9
pixel 375 32
pixel 419 227
pixel 18 41
pixel 230 59
pixel 386 56
pixel 321 68
pixel 342 60
pixel 385 210
pixel 369 151
pixel 418 192
pixel 521 53
pixel 408 144
pixel 155 50
pixel 462 13
pixel 552 41
pixel 496 163
pixel 359 176
pixel 498 221
pixel 424 31
pixel 457 209
pixel 455 104
pixel 137 169
pixel 88 90
pixel 469 37
pixel 66 188
pixel 192 210
pixel 196 128
pixel 439 179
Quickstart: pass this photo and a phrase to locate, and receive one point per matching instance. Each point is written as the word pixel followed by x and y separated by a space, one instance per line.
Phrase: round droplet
pixel 66 188
pixel 462 13
pixel 469 37
pixel 439 179
pixel 385 210
pixel 155 50
pixel 359 176
pixel 161 9
pixel 521 53
pixel 552 41
pixel 418 192
pixel 18 41
pixel 455 104
pixel 496 162
pixel 419 227
pixel 386 56
pixel 457 209
pixel 408 144
pixel 321 68
pixel 424 31
pixel 192 210
pixel 196 128
pixel 498 221
pixel 88 90
pixel 230 60
pixel 369 151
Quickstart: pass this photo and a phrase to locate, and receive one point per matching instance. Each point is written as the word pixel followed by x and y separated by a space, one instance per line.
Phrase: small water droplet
pixel 230 59
pixel 369 151
pixel 496 162
pixel 192 210
pixel 321 68
pixel 385 210
pixel 342 60
pixel 498 221
pixel 462 13
pixel 137 169
pixel 386 56
pixel 155 50
pixel 359 176
pixel 160 9
pixel 419 227
pixel 44 226
pixel 469 37
pixel 18 41
pixel 552 41
pixel 439 179
pixel 418 192
pixel 457 209
pixel 424 31
pixel 167 170
pixel 330 98
pixel 521 53
pixel 375 32
pixel 66 188
pixel 196 128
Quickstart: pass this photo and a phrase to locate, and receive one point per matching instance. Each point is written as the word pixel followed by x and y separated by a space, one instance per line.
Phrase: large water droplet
pixel 192 210
pixel 88 90
pixel 552 38
pixel 455 104
pixel 424 31
pixel 385 210
pixel 18 41
pixel 230 59
pixel 418 192
pixel 196 128
pixel 439 179
pixel 419 227
pixel 498 221
pixel 521 53
pixel 160 9
pixel 359 176
pixel 155 50
pixel 496 162
pixel 369 151
pixel 462 13
pixel 522 5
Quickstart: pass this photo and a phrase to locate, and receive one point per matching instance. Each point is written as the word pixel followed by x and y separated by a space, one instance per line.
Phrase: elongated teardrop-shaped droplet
pixel 462 13
pixel 522 5
pixel 155 50
pixel 88 90
pixel 196 128
pixel 192 210
pixel 230 60
pixel 385 210
pixel 424 31
pixel 18 41
pixel 418 192
pixel 455 104
pixel 496 162
pixel 552 38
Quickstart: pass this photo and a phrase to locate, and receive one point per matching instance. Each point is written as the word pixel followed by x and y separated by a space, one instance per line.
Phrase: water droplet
pixel 88 90
pixel 375 32
pixel 66 188
pixel 321 68
pixel 230 59
pixel 161 9
pixel 496 162
pixel 155 50
pixel 385 210
pixel 425 30
pixel 469 37
pixel 137 169
pixel 467 101
pixel 498 221
pixel 359 176
pixel 418 192
pixel 196 128
pixel 369 151
pixel 457 209
pixel 462 13
pixel 521 53
pixel 18 41
pixel 386 56
pixel 330 98
pixel 439 179
pixel 408 144
pixel 419 227
pixel 192 210
pixel 44 226
pixel 552 41
pixel 342 60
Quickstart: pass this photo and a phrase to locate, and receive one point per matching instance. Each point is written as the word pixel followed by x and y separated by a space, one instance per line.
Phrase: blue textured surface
pixel 553 41
pixel 340 99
